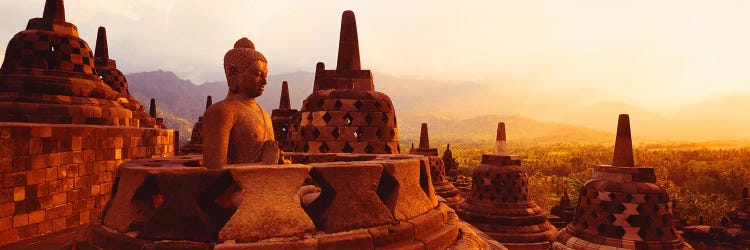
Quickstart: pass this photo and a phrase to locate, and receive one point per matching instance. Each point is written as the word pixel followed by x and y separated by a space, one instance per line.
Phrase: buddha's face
pixel 252 81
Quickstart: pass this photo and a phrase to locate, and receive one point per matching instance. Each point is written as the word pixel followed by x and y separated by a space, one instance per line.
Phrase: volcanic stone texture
pixel 58 176
pixel 403 213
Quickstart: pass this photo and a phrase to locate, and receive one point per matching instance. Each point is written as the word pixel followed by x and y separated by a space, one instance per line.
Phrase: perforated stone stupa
pixel 282 117
pixel 345 113
pixel 500 204
pixel 621 206
pixel 66 121
pixel 443 187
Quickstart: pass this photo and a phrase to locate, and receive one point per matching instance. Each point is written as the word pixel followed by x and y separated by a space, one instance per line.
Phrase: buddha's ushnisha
pixel 237 129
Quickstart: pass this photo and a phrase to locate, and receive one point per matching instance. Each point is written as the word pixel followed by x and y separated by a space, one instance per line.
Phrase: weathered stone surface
pixel 268 207
pixel 303 244
pixel 400 191
pixel 355 239
pixel 349 199
pixel 184 205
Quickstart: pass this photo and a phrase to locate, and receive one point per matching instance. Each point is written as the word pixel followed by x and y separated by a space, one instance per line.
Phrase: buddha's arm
pixel 217 126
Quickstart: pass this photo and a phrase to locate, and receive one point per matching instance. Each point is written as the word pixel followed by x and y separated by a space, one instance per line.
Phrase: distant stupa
pixel 500 204
pixel 442 186
pixel 282 117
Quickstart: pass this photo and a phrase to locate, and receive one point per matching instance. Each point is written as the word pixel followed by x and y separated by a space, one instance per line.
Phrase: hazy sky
pixel 650 49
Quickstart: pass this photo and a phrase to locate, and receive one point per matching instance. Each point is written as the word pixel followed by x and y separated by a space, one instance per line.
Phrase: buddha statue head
pixel 246 69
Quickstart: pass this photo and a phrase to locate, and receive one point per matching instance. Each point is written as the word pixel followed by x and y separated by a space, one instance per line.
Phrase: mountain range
pixel 468 111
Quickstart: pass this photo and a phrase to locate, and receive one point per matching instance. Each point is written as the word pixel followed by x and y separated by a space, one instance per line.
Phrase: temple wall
pixel 55 176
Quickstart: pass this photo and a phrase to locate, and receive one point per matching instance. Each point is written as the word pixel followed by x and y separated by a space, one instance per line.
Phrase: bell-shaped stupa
pixel 107 70
pixel 345 114
pixel 49 76
pixel 621 206
pixel 500 204
pixel 443 187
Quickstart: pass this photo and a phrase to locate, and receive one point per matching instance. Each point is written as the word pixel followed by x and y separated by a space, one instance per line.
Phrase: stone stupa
pixel 345 114
pixel 195 145
pixel 282 117
pixel 443 187
pixel 621 207
pixel 500 204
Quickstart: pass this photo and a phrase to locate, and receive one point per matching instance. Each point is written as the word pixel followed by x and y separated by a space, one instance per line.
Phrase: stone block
pixel 439 237
pixel 304 244
pixel 390 235
pixel 348 199
pixel 180 204
pixel 19 193
pixel 400 189
pixel 7 209
pixel 356 239
pixel 20 220
pixel 272 212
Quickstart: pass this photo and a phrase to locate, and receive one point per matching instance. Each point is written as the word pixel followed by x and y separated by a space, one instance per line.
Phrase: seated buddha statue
pixel 237 130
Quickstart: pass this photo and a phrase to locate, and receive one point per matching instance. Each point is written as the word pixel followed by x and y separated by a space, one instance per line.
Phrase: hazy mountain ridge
pixel 461 111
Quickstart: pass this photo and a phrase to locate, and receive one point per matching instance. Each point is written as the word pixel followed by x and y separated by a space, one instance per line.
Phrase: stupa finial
pixel 55 10
pixel 501 145
pixel 152 108
pixel 348 43
pixel 209 101
pixel 424 137
pixel 284 102
pixel 102 49
pixel 623 143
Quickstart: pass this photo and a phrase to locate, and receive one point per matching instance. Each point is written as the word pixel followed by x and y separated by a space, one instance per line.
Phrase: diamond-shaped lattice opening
pixel 612 196
pixel 359 105
pixel 327 117
pixel 335 133
pixel 378 105
pixel 324 148
pixel 392 133
pixel 316 133
pixel 348 119
pixel 384 118
pixel 618 232
pixel 619 209
pixel 359 133
pixel 337 104
pixel 368 118
pixel 309 116
pixel 388 149
pixel 594 214
pixel 379 133
pixel 369 149
pixel 319 104
pixel 306 148
pixel 611 218
pixel 387 190
pixel 347 148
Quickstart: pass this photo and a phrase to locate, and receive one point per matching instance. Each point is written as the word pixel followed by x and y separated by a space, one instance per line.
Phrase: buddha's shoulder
pixel 221 109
